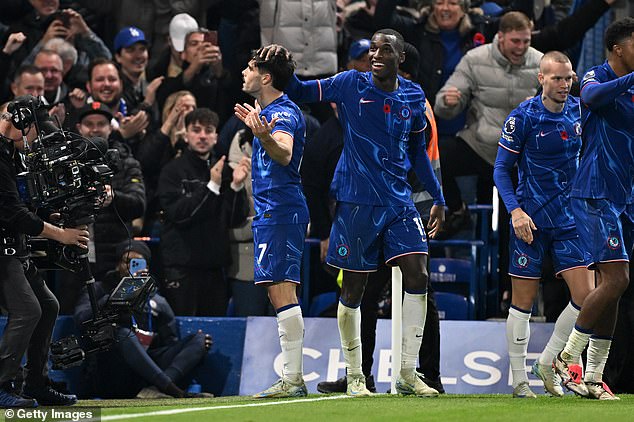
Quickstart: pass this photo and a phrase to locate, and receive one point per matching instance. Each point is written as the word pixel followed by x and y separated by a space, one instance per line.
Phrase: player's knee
pixel 416 281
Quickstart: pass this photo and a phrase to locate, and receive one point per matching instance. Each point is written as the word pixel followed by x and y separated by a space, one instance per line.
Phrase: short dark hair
pixel 99 61
pixel 26 68
pixel 281 67
pixel 203 116
pixel 399 38
pixel 514 21
pixel 618 31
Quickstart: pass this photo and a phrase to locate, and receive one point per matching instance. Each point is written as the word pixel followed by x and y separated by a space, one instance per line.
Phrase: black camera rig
pixel 67 174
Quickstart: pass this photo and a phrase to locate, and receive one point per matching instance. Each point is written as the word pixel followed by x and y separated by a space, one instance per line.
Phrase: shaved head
pixel 545 65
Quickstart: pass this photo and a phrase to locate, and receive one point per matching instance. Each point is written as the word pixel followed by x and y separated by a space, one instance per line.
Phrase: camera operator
pixel 32 308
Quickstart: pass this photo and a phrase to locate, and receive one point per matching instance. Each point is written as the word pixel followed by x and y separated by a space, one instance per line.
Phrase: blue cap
pixel 358 48
pixel 127 37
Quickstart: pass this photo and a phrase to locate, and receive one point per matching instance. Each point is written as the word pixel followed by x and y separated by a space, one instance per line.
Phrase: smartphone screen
pixel 137 265
pixel 211 37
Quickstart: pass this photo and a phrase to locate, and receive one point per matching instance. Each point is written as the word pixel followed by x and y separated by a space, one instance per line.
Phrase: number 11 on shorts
pixel 421 229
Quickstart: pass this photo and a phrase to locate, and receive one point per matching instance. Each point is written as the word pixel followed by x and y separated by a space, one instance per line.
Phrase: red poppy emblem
pixel 564 135
pixel 387 108
pixel 478 39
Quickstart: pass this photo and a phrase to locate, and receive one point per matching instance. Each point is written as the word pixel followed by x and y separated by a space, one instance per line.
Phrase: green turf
pixel 379 408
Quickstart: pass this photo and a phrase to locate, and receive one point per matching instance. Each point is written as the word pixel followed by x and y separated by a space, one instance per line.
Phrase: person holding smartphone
pixel 203 74
pixel 148 360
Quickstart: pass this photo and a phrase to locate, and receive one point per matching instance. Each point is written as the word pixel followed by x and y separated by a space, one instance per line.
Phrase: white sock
pixel 517 336
pixel 290 326
pixel 598 351
pixel 413 320
pixel 349 321
pixel 563 327
pixel 577 341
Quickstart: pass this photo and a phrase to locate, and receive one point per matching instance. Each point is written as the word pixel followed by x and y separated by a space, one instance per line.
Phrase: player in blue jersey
pixel 281 214
pixel 602 203
pixel 383 116
pixel 543 137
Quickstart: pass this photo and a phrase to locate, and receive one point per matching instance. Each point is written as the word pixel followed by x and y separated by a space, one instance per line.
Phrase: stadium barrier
pixel 245 357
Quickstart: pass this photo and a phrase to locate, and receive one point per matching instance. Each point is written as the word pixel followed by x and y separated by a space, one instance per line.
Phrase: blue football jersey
pixel 547 146
pixel 373 166
pixel 606 170
pixel 277 189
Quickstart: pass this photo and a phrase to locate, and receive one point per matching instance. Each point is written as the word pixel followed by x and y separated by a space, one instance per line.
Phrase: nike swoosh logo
pixel 417 336
pixel 521 339
pixel 354 348
pixel 364 101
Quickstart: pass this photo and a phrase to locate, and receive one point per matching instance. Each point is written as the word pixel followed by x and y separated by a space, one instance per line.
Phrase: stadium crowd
pixel 159 80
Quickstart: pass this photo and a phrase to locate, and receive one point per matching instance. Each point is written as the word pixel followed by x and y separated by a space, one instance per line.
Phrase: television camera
pixel 68 174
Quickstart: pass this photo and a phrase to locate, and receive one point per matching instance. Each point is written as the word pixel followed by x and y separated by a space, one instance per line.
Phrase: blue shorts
pixel 360 232
pixel 605 229
pixel 278 252
pixel 525 261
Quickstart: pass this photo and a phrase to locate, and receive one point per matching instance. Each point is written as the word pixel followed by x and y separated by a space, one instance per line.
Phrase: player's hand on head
pixel 269 51
pixel 215 172
pixel 523 225
pixel 436 220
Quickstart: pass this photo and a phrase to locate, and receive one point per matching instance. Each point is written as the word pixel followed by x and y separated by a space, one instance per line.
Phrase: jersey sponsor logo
pixel 509 125
pixel 523 261
pixel 613 242
pixel 281 115
pixel 578 130
pixel 364 101
pixel 343 251
pixel 405 113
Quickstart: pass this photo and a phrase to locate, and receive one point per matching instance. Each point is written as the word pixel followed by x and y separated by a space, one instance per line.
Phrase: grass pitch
pixel 382 407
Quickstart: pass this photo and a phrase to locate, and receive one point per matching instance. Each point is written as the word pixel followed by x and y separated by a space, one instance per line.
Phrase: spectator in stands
pixel 74 72
pixel 48 21
pixel 358 55
pixel 149 360
pixel 170 62
pixel 55 91
pixel 203 75
pixel 131 52
pixel 475 87
pixel 28 80
pixel 104 85
pixel 201 199
pixel 161 146
pixel 151 16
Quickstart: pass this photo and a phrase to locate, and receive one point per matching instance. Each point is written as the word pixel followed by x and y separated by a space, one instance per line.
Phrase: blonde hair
pixel 171 101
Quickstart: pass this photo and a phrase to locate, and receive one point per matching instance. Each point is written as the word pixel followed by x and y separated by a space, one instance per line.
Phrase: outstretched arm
pixel 596 94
